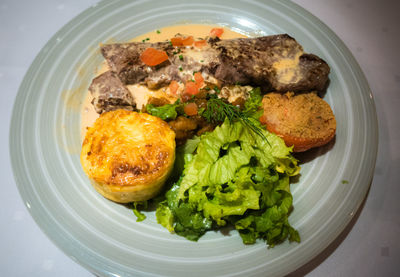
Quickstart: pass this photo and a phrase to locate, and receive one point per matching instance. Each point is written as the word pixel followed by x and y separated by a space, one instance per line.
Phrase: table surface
pixel 370 244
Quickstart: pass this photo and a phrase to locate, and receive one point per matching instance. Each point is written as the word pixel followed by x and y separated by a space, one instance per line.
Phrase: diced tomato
pixel 182 41
pixel 216 32
pixel 190 109
pixel 191 88
pixel 198 78
pixel 200 43
pixel 188 41
pixel 173 87
pixel 153 57
pixel 176 41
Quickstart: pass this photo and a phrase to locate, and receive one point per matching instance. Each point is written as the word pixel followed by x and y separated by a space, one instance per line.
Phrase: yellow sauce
pixel 140 92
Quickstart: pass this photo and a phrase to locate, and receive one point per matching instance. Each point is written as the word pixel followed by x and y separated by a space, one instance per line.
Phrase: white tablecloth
pixel 369 246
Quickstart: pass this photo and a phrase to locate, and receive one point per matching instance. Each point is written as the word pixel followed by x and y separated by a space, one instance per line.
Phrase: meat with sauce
pixel 276 63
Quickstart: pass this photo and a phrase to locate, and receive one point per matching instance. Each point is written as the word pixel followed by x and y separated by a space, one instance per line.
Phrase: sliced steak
pixel 273 62
pixel 109 93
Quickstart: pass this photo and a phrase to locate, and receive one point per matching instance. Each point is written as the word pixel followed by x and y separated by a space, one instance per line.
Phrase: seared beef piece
pixel 273 62
pixel 124 60
pixel 110 94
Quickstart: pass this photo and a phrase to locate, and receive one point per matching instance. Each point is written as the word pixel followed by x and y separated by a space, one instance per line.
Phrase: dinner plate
pixel 104 237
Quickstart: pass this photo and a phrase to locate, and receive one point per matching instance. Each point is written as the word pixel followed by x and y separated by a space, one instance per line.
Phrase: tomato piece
pixel 198 78
pixel 191 88
pixel 190 109
pixel 182 41
pixel 177 41
pixel 153 57
pixel 173 87
pixel 200 43
pixel 187 41
pixel 216 32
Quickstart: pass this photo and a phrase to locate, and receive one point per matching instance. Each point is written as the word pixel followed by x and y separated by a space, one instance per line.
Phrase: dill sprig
pixel 217 110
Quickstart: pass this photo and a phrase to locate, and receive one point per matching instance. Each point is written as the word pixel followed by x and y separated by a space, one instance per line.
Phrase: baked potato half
pixel 128 155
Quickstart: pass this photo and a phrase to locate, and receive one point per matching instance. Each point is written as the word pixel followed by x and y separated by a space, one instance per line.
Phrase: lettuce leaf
pixel 232 175
pixel 137 206
pixel 167 111
pixel 181 218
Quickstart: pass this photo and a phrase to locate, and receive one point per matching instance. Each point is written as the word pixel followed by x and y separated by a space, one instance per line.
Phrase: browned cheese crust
pixel 304 120
pixel 128 155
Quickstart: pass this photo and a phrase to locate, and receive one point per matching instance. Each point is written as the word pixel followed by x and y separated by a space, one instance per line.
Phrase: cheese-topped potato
pixel 128 155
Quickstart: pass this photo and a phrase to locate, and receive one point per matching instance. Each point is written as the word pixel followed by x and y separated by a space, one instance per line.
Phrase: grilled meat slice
pixel 273 62
pixel 124 60
pixel 109 93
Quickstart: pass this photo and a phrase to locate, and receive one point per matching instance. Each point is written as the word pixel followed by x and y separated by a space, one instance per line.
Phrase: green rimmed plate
pixel 105 237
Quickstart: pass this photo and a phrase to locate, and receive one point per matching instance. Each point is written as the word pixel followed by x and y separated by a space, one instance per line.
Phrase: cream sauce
pixel 142 93
pixel 288 70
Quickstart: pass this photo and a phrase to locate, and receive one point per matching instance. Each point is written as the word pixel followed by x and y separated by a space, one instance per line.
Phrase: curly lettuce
pixel 233 176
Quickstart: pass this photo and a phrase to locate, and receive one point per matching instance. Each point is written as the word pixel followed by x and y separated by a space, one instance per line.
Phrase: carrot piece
pixel 153 57
pixel 173 87
pixel 190 109
pixel 216 32
pixel 192 88
pixel 198 78
pixel 200 43
pixel 188 41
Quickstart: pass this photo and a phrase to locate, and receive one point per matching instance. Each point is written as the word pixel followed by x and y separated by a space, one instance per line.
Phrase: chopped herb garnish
pixel 176 52
pixel 217 110
pixel 201 61
pixel 217 90
pixel 207 88
pixel 147 38
pixel 170 42
pixel 143 40
pixel 158 32
pixel 194 72
pixel 345 182
pixel 180 68
pixel 237 83
pixel 252 106
pixel 181 57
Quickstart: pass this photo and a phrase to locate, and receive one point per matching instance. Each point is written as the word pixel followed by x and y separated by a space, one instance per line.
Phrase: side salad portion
pixel 238 175
pixel 233 176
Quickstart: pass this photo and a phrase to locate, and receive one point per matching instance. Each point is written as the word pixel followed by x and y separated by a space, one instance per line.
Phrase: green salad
pixel 236 175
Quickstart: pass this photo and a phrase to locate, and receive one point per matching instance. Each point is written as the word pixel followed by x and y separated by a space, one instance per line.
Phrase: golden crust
pixel 128 155
pixel 304 120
